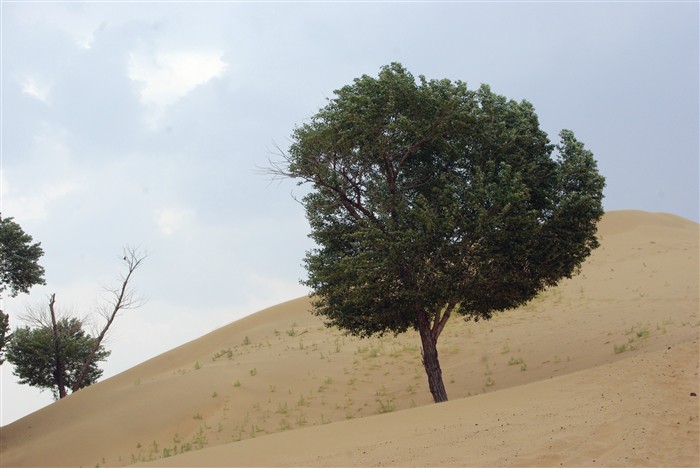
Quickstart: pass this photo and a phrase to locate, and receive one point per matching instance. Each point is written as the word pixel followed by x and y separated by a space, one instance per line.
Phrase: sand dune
pixel 598 371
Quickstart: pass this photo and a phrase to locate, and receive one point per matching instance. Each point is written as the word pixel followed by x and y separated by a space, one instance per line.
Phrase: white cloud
pixel 168 76
pixel 35 207
pixel 170 220
pixel 36 89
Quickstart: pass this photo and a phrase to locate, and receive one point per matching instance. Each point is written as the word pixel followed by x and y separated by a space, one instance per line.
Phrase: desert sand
pixel 598 371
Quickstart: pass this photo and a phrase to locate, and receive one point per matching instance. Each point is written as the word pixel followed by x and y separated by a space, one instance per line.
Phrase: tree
pixel 19 268
pixel 51 357
pixel 428 199
pixel 57 353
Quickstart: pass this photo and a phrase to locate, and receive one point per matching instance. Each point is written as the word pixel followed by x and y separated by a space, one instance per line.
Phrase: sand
pixel 596 372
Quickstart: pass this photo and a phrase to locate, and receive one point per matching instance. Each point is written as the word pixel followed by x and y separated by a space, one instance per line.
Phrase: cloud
pixel 170 220
pixel 36 207
pixel 36 89
pixel 168 76
pixel 31 191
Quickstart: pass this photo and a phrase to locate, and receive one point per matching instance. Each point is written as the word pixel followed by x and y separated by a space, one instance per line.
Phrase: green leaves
pixel 19 267
pixel 32 353
pixel 424 193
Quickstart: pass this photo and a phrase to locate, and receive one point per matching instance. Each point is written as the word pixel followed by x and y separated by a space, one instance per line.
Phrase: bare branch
pixel 122 298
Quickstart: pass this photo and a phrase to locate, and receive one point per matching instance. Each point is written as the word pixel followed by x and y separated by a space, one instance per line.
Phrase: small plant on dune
pixel 490 382
pixel 197 365
pixel 620 348
pixel 237 383
pixel 505 349
pixel 386 406
pixel 200 439
pixel 282 408
pixel 246 341
pixel 197 416
pixel 326 383
pixel 224 352
pixel 292 332
pixel 153 448
pixel 254 371
pixel 515 361
pixel 284 424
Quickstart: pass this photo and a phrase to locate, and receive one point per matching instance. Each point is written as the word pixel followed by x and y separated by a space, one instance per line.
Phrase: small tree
pixel 51 357
pixel 428 199
pixel 19 269
pixel 57 353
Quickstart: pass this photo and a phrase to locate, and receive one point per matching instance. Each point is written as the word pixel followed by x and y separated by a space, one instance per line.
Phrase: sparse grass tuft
pixel 224 352
pixel 515 361
pixel 386 406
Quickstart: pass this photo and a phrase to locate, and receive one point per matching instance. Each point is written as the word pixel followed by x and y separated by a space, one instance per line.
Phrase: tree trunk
pixel 59 365
pixel 430 359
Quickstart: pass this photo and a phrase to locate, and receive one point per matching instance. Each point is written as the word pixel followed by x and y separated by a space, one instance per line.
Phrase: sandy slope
pixel 598 371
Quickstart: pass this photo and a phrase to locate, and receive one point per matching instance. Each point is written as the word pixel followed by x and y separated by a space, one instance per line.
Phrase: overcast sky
pixel 143 124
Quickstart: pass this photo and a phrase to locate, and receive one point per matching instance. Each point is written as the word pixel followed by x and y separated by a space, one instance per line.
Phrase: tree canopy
pixel 19 269
pixel 429 199
pixel 19 257
pixel 34 353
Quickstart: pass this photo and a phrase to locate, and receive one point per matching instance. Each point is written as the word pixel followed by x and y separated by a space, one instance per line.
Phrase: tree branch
pixel 441 321
pixel 123 299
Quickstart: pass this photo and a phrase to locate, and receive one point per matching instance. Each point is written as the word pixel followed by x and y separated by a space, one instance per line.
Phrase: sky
pixel 146 124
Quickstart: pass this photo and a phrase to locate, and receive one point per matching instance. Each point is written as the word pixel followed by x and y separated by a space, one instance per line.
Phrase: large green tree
pixel 19 268
pixel 429 199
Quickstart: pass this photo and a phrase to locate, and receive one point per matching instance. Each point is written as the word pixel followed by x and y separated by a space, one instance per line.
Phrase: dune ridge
pixel 597 371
